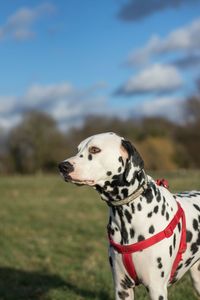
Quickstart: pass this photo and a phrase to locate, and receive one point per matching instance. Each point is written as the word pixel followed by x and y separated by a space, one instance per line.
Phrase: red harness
pixel 127 250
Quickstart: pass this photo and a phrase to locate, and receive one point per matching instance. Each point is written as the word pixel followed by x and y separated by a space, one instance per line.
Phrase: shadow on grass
pixel 25 285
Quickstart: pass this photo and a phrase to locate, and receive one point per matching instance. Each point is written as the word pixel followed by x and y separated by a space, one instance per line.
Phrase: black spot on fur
pixel 81 155
pixel 139 207
pixel 115 191
pixel 159 259
pixel 111 261
pixel 90 156
pixel 107 183
pixel 132 208
pixel 132 233
pixel 160 266
pixel 179 267
pixel 194 248
pixel 117 180
pixel 188 261
pixel 126 283
pixel 127 170
pixel 99 189
pixel 163 209
pixel 123 295
pixel 128 216
pixel 167 216
pixel 154 188
pixel 125 193
pixel 148 195
pixel 179 227
pixel 159 263
pixel 174 241
pixel 121 160
pixel 151 229
pixel 188 236
pixel 170 251
pixel 197 207
pixel 149 215
pixel 195 224
pixel 162 274
pixel 158 196
pixel 109 173
pixel 198 239
pixel 156 209
pixel 124 233
pixel 110 230
pixel 119 169
pixel 140 238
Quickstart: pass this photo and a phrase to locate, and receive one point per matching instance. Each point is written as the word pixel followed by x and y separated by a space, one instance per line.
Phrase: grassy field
pixel 53 243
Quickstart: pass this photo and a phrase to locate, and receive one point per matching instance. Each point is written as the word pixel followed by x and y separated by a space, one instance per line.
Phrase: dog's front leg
pixel 122 283
pixel 124 294
pixel 157 292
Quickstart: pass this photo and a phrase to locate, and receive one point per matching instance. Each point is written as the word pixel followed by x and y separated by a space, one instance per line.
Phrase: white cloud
pixel 169 107
pixel 23 34
pixel 8 123
pixel 183 39
pixel 40 94
pixel 67 104
pixel 70 105
pixel 156 78
pixel 6 104
pixel 19 25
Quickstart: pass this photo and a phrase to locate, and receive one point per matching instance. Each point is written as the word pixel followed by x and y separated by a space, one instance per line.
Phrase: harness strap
pixel 182 247
pixel 130 268
pixel 127 250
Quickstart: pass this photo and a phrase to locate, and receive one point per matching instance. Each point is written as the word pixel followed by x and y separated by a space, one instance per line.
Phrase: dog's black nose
pixel 65 167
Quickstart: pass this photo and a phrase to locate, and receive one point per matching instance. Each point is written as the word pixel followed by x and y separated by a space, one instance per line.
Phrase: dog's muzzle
pixel 65 169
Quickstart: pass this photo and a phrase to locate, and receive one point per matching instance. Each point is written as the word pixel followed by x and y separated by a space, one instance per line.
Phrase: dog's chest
pixel 146 216
pixel 149 215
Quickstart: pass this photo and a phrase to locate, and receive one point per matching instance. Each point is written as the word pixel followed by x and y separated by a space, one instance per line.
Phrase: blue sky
pixel 112 57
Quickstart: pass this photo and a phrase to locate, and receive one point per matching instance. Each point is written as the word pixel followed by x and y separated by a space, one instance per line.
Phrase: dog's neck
pixel 121 186
pixel 127 223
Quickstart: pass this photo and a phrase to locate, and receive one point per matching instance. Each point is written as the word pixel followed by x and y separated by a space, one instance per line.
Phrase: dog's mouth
pixel 76 181
pixel 83 182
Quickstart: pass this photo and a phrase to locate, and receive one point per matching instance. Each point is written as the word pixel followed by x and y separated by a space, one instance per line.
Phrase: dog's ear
pixel 133 154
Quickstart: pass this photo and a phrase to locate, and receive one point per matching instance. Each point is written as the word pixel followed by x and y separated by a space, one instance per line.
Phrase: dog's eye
pixel 94 150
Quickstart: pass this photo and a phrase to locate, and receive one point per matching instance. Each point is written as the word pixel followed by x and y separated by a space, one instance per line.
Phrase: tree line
pixel 37 144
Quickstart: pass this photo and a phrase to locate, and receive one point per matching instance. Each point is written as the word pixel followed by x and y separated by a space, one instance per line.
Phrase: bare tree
pixel 36 143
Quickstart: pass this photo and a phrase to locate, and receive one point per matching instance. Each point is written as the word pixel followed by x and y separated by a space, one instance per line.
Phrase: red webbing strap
pixel 129 265
pixel 182 247
pixel 167 232
pixel 127 250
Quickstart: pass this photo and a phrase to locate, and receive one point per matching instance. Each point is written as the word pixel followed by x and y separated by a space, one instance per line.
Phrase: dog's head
pixel 104 160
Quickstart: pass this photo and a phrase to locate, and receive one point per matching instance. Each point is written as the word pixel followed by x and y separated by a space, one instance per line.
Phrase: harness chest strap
pixel 127 250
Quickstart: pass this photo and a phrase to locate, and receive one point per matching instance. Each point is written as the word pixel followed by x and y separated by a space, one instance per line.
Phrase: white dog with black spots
pixel 112 166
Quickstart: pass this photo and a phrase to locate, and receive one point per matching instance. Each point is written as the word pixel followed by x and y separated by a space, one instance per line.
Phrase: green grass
pixel 53 243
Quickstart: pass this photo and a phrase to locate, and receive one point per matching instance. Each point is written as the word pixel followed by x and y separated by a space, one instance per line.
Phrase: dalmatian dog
pixel 139 209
